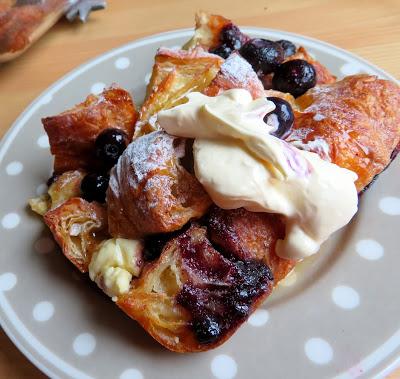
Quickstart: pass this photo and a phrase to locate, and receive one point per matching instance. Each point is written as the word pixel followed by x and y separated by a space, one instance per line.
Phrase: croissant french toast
pixel 174 74
pixel 78 226
pixel 194 297
pixel 355 122
pixel 209 29
pixel 72 133
pixel 194 271
pixel 150 191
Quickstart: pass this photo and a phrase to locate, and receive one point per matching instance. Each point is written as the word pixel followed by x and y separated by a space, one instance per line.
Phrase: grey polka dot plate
pixel 336 315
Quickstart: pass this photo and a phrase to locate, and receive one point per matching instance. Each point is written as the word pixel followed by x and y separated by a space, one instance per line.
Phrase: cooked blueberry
pixel 110 144
pixel 281 118
pixel 288 47
pixel 94 187
pixel 206 329
pixel 264 55
pixel 224 51
pixel 231 36
pixel 295 77
pixel 154 245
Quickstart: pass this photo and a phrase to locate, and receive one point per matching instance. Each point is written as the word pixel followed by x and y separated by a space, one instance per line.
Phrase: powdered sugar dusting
pixel 236 72
pixel 318 117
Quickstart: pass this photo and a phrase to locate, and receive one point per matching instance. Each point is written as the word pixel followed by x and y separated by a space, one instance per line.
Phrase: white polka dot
pixel 223 367
pixel 131 373
pixel 7 281
pixel 289 280
pixel 44 245
pixel 84 344
pixel 97 88
pixel 390 205
pixel 122 63
pixel 41 189
pixel 43 141
pixel 350 68
pixel 14 168
pixel 43 311
pixel 345 297
pixel 10 221
pixel 46 99
pixel 259 317
pixel 318 351
pixel 147 78
pixel 369 249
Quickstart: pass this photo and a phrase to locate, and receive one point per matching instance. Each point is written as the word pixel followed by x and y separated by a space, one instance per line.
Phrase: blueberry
pixel 295 77
pixel 281 117
pixel 264 55
pixel 224 51
pixel 94 187
pixel 288 47
pixel 206 329
pixel 110 144
pixel 231 36
pixel 154 245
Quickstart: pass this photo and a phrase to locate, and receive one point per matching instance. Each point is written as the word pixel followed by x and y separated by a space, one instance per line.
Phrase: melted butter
pixel 240 164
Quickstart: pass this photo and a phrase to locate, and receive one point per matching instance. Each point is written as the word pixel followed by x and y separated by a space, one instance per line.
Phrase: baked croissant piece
pixel 72 133
pixel 150 191
pixel 174 74
pixel 354 122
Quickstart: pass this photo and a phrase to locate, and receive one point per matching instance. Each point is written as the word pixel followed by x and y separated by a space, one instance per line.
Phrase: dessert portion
pixel 245 156
pixel 150 191
pixel 174 74
pixel 72 134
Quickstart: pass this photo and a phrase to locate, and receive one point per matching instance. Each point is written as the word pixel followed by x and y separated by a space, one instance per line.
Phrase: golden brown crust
pixel 150 191
pixel 65 187
pixel 208 30
pixel 72 133
pixel 78 227
pixel 358 117
pixel 175 73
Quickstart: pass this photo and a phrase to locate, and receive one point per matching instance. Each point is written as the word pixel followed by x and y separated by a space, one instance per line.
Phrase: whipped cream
pixel 240 164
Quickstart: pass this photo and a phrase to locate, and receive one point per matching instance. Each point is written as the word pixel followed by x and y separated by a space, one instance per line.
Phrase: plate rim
pixel 19 123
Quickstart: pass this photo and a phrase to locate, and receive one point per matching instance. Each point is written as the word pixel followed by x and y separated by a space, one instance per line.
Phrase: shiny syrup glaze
pixel 220 290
